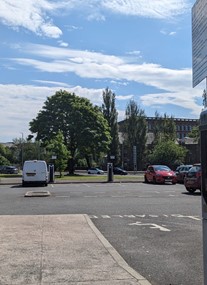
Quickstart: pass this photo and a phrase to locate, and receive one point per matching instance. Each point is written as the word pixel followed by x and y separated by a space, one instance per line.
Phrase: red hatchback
pixel 159 174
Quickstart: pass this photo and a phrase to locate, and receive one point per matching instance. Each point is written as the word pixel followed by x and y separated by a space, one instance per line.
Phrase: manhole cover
pixel 37 194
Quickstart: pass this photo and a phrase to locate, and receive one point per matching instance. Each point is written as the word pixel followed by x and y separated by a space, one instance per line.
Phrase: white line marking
pixel 106 217
pixel 152 226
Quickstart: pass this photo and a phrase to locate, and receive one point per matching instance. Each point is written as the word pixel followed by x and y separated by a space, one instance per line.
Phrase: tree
pixel 56 147
pixel 135 129
pixel 83 126
pixel 167 153
pixel 111 115
pixel 5 155
pixel 195 134
pixel 164 128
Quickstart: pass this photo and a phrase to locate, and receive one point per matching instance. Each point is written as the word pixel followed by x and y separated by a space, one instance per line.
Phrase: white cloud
pixel 167 33
pixel 62 44
pixel 20 104
pixel 174 86
pixel 35 15
pixel 161 9
pixel 31 15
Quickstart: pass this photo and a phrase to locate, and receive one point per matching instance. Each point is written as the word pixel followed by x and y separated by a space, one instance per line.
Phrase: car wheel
pixel 190 190
pixel 145 179
pixel 173 183
pixel 154 180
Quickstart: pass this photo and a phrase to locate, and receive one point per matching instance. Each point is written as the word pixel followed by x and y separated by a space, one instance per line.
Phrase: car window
pixel 195 169
pixel 161 168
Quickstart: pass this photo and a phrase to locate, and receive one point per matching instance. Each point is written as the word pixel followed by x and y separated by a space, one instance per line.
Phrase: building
pixel 183 126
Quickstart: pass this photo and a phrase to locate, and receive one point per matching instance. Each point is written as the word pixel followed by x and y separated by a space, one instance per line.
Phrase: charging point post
pixel 51 173
pixel 110 173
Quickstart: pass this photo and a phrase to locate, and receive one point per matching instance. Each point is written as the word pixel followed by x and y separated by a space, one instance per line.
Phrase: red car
pixel 159 174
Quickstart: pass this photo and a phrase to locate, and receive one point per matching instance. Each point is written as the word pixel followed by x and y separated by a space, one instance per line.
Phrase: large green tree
pixel 83 125
pixel 135 129
pixel 111 115
pixel 168 153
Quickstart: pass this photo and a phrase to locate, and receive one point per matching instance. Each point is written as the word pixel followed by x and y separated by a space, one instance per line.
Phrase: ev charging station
pixel 203 137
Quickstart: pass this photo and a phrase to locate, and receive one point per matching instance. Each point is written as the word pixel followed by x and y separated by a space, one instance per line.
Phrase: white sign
pixel 199 41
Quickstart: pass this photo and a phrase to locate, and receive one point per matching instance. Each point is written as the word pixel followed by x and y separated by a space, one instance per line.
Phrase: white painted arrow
pixel 152 226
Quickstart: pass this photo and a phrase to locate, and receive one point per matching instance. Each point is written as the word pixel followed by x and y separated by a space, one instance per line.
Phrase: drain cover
pixel 37 194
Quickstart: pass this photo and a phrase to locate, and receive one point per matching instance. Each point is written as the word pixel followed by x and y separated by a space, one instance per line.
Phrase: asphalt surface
pixel 59 249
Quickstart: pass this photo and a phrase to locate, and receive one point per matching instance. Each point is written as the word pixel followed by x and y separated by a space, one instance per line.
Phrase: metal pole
pixel 22 148
pixel 203 141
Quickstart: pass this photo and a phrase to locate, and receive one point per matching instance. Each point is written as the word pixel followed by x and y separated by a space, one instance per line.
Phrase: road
pixel 156 228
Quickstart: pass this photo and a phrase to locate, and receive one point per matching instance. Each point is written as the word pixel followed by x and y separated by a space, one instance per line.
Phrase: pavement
pixel 59 250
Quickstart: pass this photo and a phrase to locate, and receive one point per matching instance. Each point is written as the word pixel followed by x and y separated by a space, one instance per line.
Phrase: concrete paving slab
pixel 59 249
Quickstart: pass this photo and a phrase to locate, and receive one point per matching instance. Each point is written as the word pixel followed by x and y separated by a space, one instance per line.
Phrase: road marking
pixel 190 217
pixel 119 216
pixel 93 217
pixel 152 226
pixel 129 216
pixel 196 218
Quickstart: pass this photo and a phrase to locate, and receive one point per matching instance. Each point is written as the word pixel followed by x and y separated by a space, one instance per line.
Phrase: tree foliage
pixel 83 126
pixel 7 156
pixel 111 115
pixel 135 129
pixel 195 134
pixel 164 128
pixel 57 147
pixel 167 153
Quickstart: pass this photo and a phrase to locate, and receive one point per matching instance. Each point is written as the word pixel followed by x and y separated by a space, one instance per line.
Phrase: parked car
pixel 182 172
pixel 9 170
pixel 159 174
pixel 118 170
pixel 95 170
pixel 192 179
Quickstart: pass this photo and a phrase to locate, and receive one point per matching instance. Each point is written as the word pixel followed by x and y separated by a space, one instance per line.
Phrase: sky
pixel 141 50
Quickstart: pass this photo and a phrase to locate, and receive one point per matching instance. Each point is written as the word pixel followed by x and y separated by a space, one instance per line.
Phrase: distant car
pixel 192 179
pixel 118 170
pixel 9 170
pixel 182 172
pixel 95 170
pixel 159 174
pixel 178 168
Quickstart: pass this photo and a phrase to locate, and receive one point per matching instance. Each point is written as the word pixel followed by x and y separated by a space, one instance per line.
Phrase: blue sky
pixel 141 50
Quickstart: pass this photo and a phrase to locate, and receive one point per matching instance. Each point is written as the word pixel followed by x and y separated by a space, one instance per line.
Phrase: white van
pixel 35 172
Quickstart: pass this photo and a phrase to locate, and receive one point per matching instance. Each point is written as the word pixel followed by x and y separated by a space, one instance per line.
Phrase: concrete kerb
pixel 116 256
